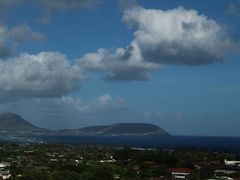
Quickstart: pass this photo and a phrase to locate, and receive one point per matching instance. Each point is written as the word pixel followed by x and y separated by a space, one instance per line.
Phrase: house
pixel 5 174
pixel 108 161
pixel 231 163
pixel 4 164
pixel 54 160
pixel 222 171
pixel 180 173
pixel 111 160
pixel 223 174
pixel 222 177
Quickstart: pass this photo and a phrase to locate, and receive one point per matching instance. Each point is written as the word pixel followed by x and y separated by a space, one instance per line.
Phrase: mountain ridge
pixel 11 122
pixel 119 129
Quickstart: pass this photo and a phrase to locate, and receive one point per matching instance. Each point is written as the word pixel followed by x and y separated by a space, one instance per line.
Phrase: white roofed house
pixel 4 164
pixel 231 163
pixel 4 173
pixel 225 174
pixel 180 173
pixel 111 160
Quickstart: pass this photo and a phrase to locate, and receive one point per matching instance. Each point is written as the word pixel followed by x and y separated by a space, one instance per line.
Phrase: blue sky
pixel 68 64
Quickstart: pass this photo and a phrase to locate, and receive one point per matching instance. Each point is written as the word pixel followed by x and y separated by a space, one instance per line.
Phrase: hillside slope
pixel 12 122
pixel 119 129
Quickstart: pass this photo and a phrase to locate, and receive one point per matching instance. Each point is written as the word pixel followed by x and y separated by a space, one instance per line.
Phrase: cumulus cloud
pixel 24 33
pixel 44 74
pixel 67 111
pixel 178 36
pixel 103 103
pixel 53 112
pixel 162 37
pixel 11 37
pixel 119 65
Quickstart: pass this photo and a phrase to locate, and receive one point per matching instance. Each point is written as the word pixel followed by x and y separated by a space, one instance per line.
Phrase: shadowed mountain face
pixel 124 128
pixel 13 122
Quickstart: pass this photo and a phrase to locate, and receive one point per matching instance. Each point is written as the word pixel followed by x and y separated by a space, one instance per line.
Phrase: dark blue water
pixel 215 143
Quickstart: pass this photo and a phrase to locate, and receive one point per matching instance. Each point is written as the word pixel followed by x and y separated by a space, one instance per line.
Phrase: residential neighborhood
pixel 60 161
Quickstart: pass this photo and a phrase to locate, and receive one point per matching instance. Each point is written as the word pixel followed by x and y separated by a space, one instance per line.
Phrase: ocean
pixel 169 142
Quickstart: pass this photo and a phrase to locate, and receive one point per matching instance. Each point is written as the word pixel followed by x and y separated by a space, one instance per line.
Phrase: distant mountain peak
pixel 9 114
pixel 13 122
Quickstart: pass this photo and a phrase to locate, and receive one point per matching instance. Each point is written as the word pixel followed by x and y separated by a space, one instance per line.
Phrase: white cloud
pixel 69 104
pixel 24 33
pixel 11 37
pixel 44 74
pixel 109 102
pixel 177 36
pixel 119 65
pixel 104 99
pixel 67 111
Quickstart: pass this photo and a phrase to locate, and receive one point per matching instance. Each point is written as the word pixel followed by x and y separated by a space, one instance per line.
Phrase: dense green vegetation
pixel 63 162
